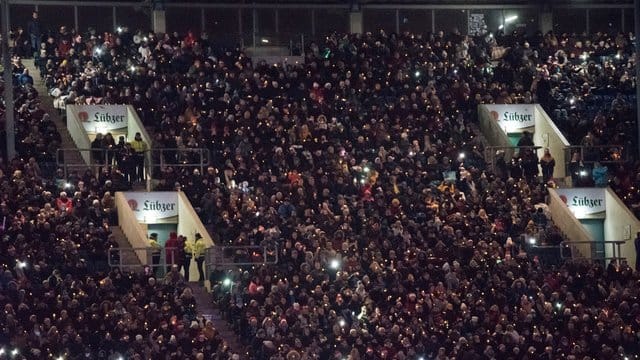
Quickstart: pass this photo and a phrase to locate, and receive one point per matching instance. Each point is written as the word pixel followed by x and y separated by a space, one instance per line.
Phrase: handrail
pixel 491 153
pixel 616 251
pixel 158 158
pixel 617 153
pixel 154 158
pixel 148 253
pixel 228 255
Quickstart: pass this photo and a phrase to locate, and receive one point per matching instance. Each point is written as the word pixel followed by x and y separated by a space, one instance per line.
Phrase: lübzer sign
pixel 584 203
pixel 102 118
pixel 513 117
pixel 154 207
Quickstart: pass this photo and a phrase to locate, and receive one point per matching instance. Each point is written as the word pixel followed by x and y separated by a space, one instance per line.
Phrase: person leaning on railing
pixel 194 249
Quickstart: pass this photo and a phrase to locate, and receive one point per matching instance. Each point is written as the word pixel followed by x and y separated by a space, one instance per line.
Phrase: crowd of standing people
pixel 363 165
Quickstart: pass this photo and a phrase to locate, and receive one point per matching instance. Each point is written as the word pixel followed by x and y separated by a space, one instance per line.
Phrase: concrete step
pixel 71 157
pixel 126 257
pixel 207 310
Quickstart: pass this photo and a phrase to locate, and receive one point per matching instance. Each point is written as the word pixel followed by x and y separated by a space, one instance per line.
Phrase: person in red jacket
pixel 171 250
pixel 63 203
pixel 190 39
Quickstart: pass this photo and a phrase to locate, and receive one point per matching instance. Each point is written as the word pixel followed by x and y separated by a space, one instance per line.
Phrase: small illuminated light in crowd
pixel 119 29
pixel 618 56
pixel 2 351
pixel 461 156
pixel 60 357
pixel 342 323
pixel 532 240
pixel 265 41
pixel 133 68
pixel 584 56
pixel 572 101
pixel 500 27
pixel 417 73
pixel 334 264
pixel 257 213
pixel 22 264
pixel 455 71
pixel 98 51
pixel 145 39
pixel 583 172
pixel 14 352
pixel 366 169
pixel 421 358
pixel 558 306
pixel 491 37
pixel 411 153
pixel 362 181
pixel 226 282
pixel 120 357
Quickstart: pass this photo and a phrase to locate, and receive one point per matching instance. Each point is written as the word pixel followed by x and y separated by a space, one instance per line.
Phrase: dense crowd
pixel 60 299
pixel 364 165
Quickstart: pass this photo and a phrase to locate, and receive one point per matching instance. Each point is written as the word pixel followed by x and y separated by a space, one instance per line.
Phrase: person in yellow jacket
pixel 140 148
pixel 194 249
pixel 156 252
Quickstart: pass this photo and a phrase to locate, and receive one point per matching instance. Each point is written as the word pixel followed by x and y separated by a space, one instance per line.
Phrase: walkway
pixel 206 308
pixel 46 104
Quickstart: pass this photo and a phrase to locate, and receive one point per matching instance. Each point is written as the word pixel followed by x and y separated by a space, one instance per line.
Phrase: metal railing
pixel 98 159
pixel 592 250
pixel 154 159
pixel 154 258
pixel 493 153
pixel 159 159
pixel 221 256
pixel 603 154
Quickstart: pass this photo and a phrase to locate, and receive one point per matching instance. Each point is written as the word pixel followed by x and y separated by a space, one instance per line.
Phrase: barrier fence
pixel 603 154
pixel 159 260
pixel 591 251
pixel 155 160
pixel 492 154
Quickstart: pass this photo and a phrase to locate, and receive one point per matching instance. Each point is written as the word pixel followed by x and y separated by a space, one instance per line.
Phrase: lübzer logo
pixel 582 201
pixel 511 116
pixel 158 206
pixel 133 204
pixel 84 116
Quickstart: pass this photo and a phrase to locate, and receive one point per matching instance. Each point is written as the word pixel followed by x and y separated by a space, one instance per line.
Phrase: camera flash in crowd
pixel 532 240
pixel 461 156
pixel 22 264
pixel 417 74
pixel 119 29
pixel 334 264
pixel 226 282
pixel 342 323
